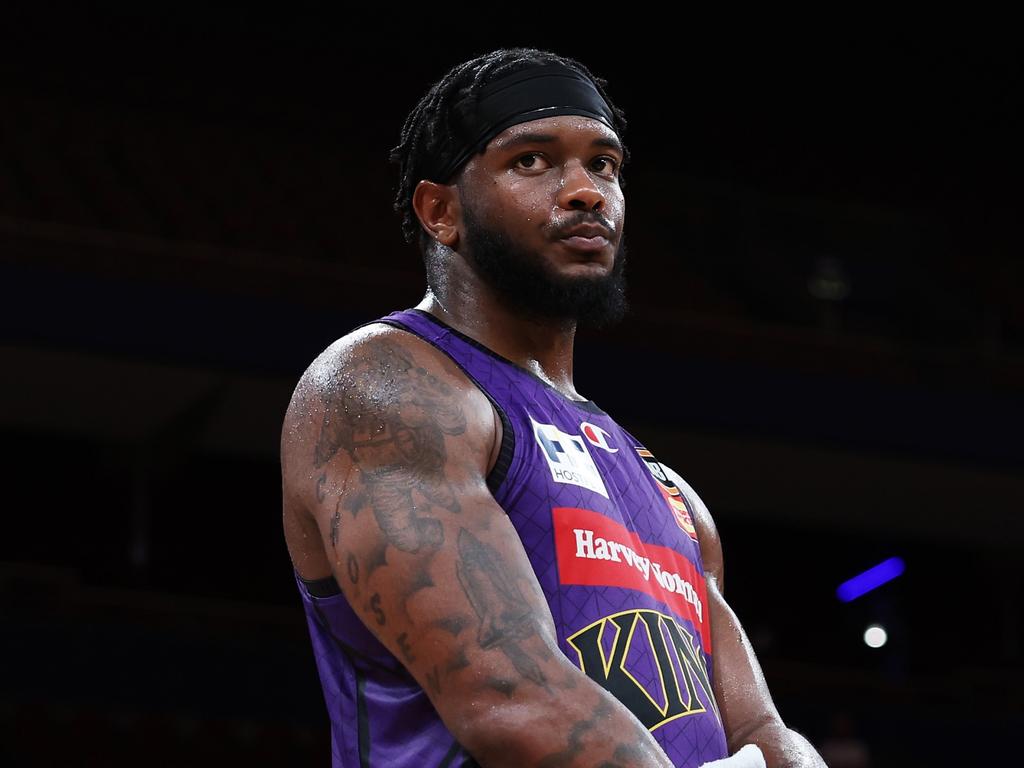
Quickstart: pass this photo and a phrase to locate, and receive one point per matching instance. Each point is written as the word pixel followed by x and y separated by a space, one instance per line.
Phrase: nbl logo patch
pixel 568 458
pixel 673 496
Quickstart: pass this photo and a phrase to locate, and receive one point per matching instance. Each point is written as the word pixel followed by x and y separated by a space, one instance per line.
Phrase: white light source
pixel 875 636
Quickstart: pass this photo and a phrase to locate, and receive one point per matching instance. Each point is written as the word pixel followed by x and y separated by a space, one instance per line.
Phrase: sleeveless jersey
pixel 612 542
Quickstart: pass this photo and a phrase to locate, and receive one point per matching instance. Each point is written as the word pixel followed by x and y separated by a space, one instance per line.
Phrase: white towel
pixel 748 757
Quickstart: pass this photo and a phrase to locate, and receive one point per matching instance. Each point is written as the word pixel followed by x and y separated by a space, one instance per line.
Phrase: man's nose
pixel 579 190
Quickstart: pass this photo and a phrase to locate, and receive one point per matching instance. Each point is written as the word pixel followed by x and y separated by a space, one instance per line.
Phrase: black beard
pixel 524 283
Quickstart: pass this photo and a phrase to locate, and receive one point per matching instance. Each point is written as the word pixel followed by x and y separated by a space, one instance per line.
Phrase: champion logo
pixel 567 458
pixel 597 436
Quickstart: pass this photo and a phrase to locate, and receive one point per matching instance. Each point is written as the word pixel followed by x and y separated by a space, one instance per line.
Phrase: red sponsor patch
pixel 595 551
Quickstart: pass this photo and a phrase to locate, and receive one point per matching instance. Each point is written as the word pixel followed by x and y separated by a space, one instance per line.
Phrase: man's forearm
pixel 783 747
pixel 584 726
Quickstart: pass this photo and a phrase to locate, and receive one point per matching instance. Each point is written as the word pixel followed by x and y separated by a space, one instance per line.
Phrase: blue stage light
pixel 872 578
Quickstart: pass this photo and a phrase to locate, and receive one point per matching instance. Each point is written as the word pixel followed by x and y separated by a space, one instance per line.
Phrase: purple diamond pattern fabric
pixel 638 631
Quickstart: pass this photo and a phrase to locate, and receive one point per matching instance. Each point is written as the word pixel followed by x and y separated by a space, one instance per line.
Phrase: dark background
pixel 827 342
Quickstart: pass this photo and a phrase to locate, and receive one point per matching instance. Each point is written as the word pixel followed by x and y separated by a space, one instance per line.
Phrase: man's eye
pixel 607 165
pixel 531 161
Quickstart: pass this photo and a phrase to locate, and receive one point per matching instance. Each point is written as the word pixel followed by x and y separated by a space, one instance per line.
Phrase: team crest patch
pixel 568 458
pixel 673 496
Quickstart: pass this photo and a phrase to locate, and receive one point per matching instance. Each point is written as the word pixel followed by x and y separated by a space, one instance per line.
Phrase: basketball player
pixel 494 572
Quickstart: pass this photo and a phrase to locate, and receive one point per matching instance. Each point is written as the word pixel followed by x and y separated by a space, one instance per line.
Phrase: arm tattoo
pixel 505 687
pixel 434 681
pixel 505 616
pixel 403 644
pixel 335 523
pixel 453 625
pixel 575 747
pixel 378 612
pixel 391 417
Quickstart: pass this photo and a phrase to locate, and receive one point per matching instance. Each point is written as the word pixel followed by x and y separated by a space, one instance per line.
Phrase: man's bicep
pixel 463 612
pixel 423 553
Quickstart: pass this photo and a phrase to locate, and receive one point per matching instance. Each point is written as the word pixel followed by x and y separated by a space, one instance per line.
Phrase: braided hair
pixel 425 134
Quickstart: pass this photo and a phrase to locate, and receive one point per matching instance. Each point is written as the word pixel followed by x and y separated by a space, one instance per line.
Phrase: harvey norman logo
pixel 595 550
pixel 592 547
pixel 568 458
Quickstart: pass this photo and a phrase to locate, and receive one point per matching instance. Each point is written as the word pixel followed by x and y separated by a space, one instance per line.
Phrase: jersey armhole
pixel 320 588
pixel 499 471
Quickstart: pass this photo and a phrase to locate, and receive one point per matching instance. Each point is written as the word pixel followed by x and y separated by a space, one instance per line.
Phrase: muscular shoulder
pixel 376 380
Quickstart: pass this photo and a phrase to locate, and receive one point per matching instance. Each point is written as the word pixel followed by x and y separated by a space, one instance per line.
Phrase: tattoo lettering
pixel 505 616
pixel 320 494
pixel 378 612
pixel 391 417
pixel 353 568
pixel 403 644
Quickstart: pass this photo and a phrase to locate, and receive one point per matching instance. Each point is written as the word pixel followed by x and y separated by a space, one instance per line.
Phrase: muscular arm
pixel 386 444
pixel 748 712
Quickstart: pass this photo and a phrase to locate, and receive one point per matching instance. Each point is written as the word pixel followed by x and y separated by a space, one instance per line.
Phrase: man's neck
pixel 543 348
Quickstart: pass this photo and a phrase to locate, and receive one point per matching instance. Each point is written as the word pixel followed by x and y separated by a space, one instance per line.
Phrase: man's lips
pixel 588 244
pixel 586 237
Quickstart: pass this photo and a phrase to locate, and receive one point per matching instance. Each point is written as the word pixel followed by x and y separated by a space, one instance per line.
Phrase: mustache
pixel 583 217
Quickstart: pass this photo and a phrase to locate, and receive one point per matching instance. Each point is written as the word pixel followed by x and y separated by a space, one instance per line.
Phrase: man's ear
pixel 437 208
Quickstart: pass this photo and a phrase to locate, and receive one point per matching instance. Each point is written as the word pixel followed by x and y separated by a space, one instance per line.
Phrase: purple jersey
pixel 612 542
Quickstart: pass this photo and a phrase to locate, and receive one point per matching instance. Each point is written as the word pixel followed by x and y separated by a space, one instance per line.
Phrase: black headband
pixel 542 90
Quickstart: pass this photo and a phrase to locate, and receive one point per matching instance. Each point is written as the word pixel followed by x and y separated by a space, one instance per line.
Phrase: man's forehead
pixel 559 128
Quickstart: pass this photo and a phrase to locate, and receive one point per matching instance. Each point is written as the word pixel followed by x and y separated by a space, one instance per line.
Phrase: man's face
pixel 521 201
